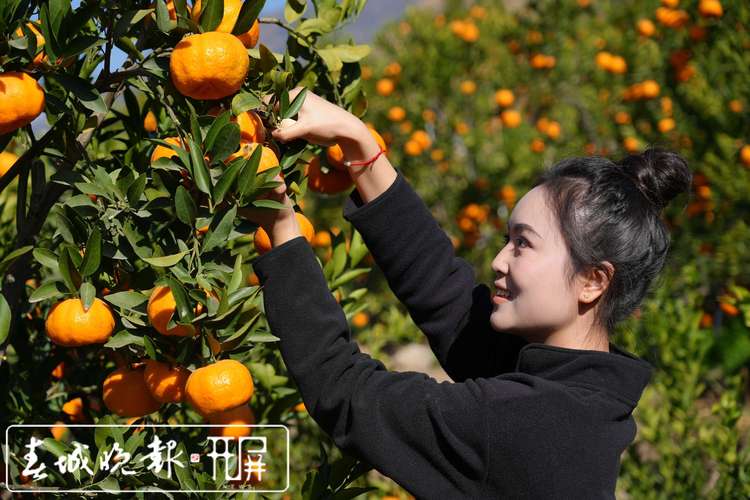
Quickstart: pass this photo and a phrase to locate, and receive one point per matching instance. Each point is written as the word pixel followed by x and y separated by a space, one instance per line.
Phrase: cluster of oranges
pixel 542 61
pixel 647 89
pixel 466 30
pixel 611 62
pixel 469 218
pixel 703 202
pixel 418 142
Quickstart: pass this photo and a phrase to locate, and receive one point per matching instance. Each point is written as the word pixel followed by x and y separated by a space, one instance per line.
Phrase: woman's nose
pixel 499 264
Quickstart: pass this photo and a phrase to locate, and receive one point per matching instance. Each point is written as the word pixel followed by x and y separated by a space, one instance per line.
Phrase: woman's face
pixel 531 265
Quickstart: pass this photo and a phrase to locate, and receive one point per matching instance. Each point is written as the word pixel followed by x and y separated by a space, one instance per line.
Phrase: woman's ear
pixel 596 282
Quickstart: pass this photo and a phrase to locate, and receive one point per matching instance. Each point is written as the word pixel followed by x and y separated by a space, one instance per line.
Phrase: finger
pixel 291 132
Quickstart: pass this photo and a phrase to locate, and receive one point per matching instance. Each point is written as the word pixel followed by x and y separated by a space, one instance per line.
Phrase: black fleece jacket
pixel 522 420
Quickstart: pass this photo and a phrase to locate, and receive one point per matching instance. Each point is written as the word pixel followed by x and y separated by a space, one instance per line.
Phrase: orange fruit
pixel 735 105
pixel 253 280
pixel 650 89
pixel 729 309
pixel 412 148
pixel 69 325
pixel 250 123
pixel 149 122
pixel 7 160
pixel 300 407
pixel 745 155
pixel 74 410
pixel 166 383
pixel 333 182
pixel 706 320
pixel 231 12
pixel 665 125
pixel 21 100
pixel 392 69
pixel 422 138
pixel 537 145
pixel 40 56
pixel 553 129
pixel 361 319
pixel 396 114
pixel 468 87
pixel 322 239
pixel 126 394
pixel 219 387
pixel 209 65
pixel 646 27
pixel 385 87
pixel 631 144
pixel 262 241
pixel 710 8
pixel 622 118
pixel 161 306
pixel 241 414
pixel 268 158
pixel 58 371
pixel 59 430
pixel 504 97
pixel 511 118
pixel 165 152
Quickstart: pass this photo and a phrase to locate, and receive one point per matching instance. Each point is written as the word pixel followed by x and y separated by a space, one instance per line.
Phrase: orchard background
pixel 471 98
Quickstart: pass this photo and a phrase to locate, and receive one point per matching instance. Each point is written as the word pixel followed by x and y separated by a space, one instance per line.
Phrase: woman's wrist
pixel 283 230
pixel 357 143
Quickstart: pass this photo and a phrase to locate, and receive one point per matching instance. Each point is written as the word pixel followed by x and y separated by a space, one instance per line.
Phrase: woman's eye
pixel 506 237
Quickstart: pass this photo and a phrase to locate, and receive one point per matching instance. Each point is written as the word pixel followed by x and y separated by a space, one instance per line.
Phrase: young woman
pixel 542 402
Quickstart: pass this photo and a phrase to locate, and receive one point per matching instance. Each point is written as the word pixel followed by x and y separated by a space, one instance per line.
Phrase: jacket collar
pixel 617 372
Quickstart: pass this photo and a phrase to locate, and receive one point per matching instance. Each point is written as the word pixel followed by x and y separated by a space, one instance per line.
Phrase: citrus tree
pixel 475 99
pixel 128 296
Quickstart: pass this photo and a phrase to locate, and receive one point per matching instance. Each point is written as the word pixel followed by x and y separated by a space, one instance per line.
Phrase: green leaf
pixel 268 61
pixel 47 291
pixel 247 16
pixel 221 120
pixel 82 89
pixel 247 178
pixel 227 179
pixel 135 190
pixel 88 293
pixel 212 12
pixel 182 306
pixel 296 104
pixel 68 271
pixel 272 204
pixel 236 280
pixel 262 337
pixel 148 345
pixel 220 233
pixel 163 22
pixel 245 101
pixel 93 255
pixel 347 277
pixel 167 260
pixel 4 319
pixel 294 9
pixel 339 259
pixel 226 143
pixel 195 128
pixel 200 171
pixel 12 256
pixel 127 299
pixel 185 206
pixel 357 249
pixel 124 338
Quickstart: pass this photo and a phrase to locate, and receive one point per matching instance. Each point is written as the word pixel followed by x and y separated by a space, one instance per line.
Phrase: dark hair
pixel 610 211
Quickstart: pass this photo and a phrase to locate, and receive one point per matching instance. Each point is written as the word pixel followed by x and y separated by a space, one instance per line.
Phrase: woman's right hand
pixel 320 122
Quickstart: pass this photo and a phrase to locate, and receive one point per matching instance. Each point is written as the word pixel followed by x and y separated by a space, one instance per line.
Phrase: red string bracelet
pixel 367 162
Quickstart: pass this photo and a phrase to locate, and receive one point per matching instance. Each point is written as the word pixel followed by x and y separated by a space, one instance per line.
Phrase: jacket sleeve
pixel 437 287
pixel 430 437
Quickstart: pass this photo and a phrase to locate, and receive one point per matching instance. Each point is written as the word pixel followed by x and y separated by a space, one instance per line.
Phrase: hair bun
pixel 660 174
